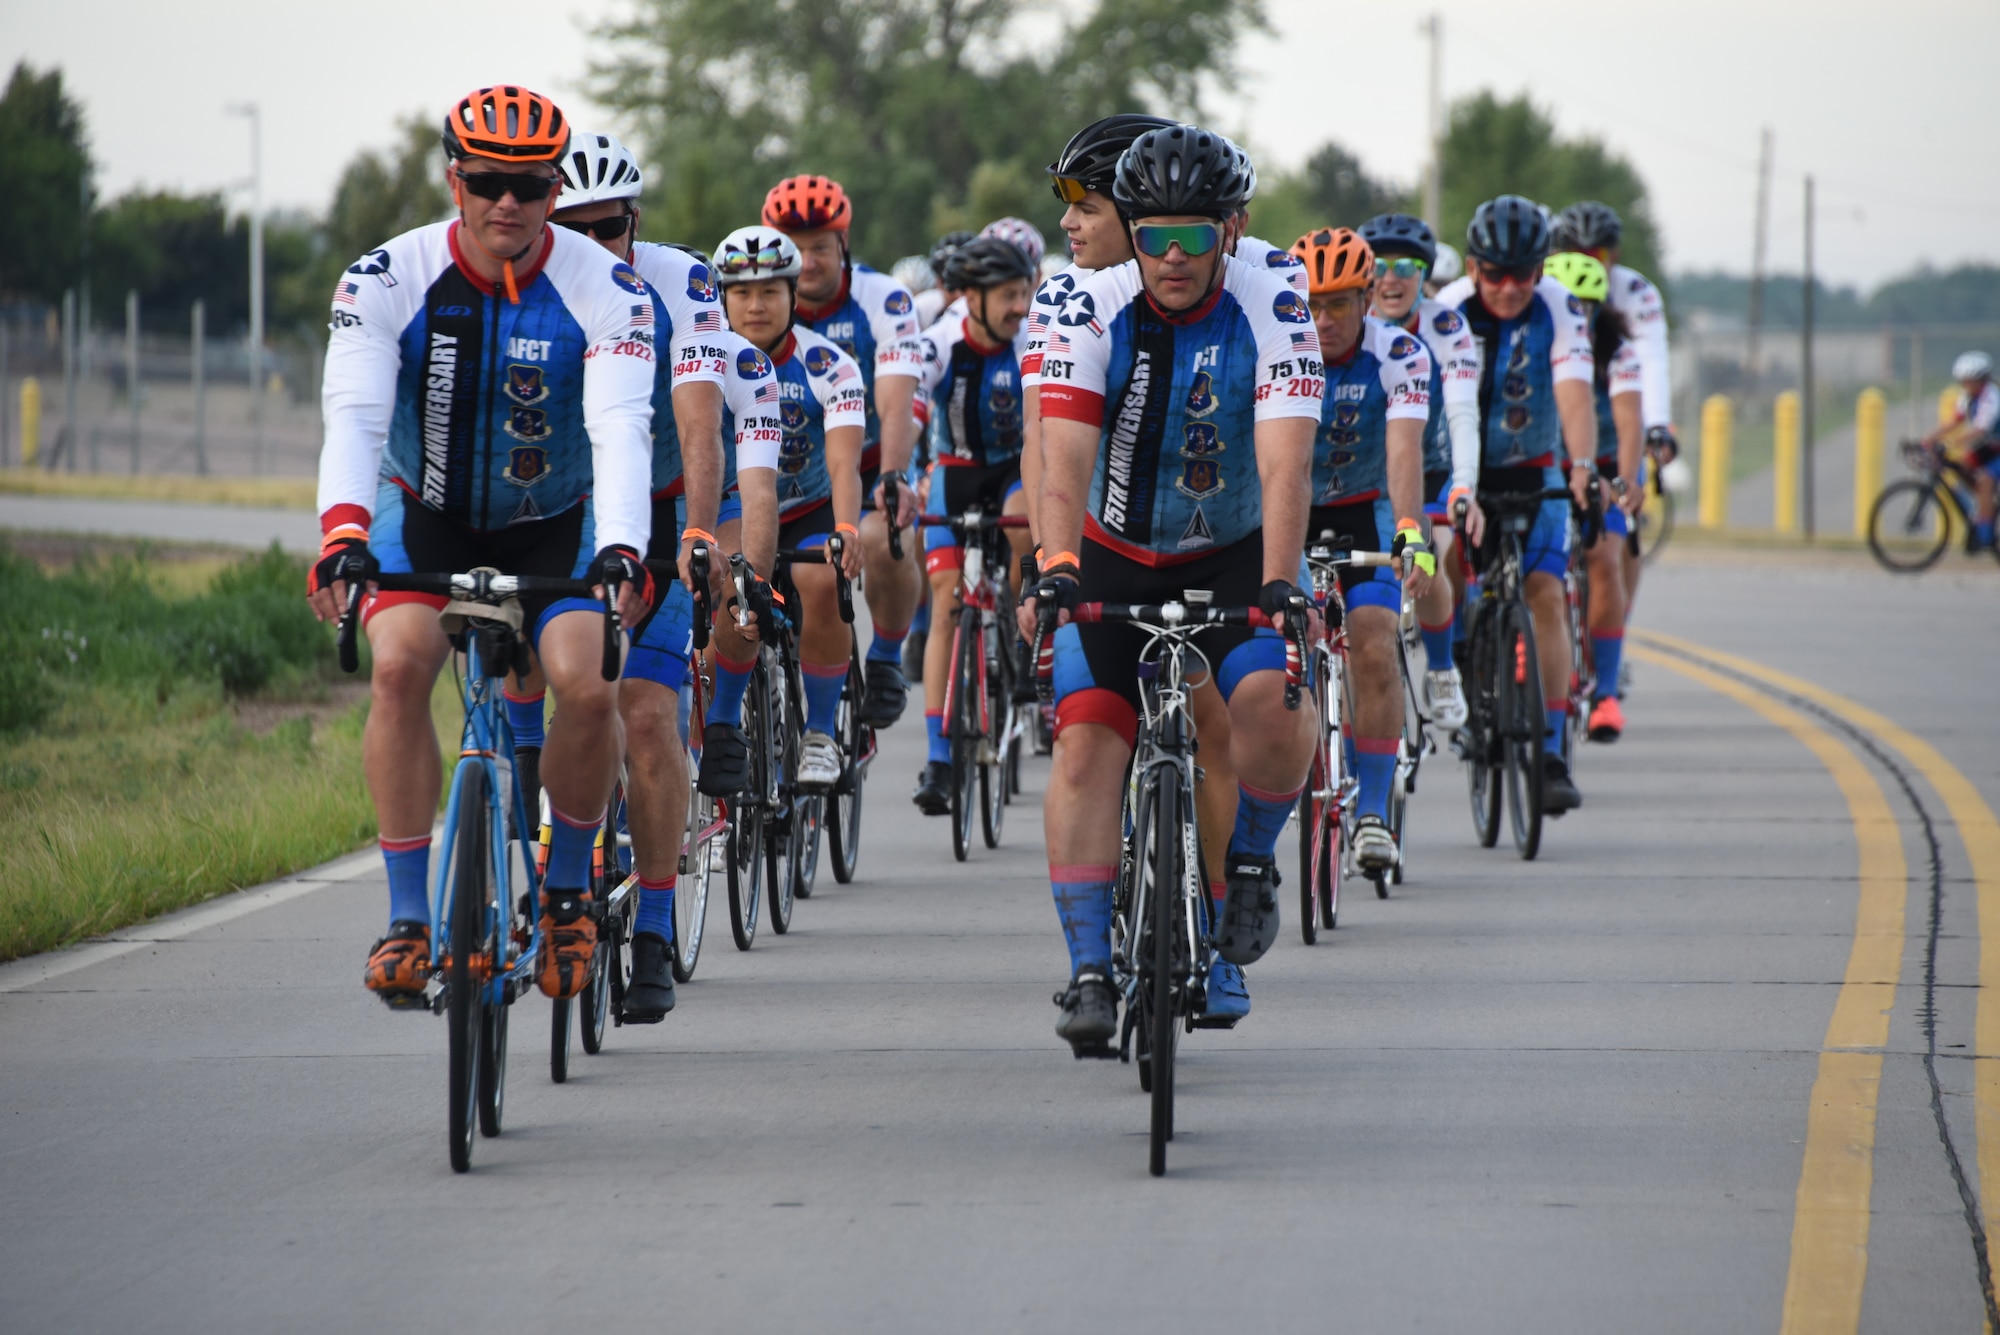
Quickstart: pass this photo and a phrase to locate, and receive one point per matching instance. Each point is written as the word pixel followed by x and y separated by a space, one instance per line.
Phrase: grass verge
pixel 261 492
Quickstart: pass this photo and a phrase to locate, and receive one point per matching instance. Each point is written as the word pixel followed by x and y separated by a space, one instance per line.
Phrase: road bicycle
pixel 1501 742
pixel 1649 533
pixel 485 937
pixel 1911 522
pixel 987 729
pixel 1162 932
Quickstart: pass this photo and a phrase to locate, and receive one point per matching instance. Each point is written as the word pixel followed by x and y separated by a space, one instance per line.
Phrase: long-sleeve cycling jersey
pixel 975 393
pixel 1981 412
pixel 820 390
pixel 1451 438
pixel 873 319
pixel 1176 400
pixel 489 411
pixel 1385 377
pixel 752 420
pixel 688 316
pixel 1633 295
pixel 1522 361
pixel 1623 376
pixel 1262 254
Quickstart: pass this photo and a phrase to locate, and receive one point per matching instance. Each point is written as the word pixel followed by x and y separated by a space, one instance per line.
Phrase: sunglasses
pixel 1401 266
pixel 1339 304
pixel 733 262
pixel 604 229
pixel 1068 189
pixel 527 189
pixel 1518 275
pixel 1192 238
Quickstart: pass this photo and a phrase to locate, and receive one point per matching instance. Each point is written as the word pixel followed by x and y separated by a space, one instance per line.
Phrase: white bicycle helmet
pixel 1022 233
pixel 1450 267
pixel 914 272
pixel 752 254
pixel 1972 366
pixel 598 168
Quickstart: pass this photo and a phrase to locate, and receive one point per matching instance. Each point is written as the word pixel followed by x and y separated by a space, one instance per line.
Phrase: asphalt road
pixel 228 525
pixel 1571 1095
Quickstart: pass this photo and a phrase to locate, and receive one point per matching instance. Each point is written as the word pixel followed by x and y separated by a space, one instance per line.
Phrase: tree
pixel 1494 147
pixel 908 103
pixel 171 249
pixel 1331 190
pixel 45 162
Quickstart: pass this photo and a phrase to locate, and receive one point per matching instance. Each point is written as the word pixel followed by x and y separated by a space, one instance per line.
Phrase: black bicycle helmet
pixel 986 261
pixel 701 255
pixel 1092 153
pixel 1400 234
pixel 1587 225
pixel 941 253
pixel 1508 232
pixel 1181 169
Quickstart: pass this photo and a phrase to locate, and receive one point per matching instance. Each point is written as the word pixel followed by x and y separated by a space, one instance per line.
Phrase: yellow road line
pixel 1979 831
pixel 1829 1262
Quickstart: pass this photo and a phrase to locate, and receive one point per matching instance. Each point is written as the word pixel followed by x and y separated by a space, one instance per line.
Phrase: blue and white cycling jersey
pixel 1633 295
pixel 1455 368
pixel 1262 254
pixel 1625 375
pixel 874 321
pixel 1176 400
pixel 820 390
pixel 1385 378
pixel 975 394
pixel 1523 360
pixel 489 410
pixel 689 316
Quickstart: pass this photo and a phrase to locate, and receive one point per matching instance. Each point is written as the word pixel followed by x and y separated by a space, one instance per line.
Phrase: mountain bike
pixel 1162 933
pixel 484 939
pixel 987 730
pixel 1501 742
pixel 1910 524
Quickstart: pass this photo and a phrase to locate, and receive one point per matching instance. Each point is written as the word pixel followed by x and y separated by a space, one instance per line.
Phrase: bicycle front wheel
pixel 782 823
pixel 1909 528
pixel 1481 734
pixel 1169 955
pixel 843 811
pixel 703 852
pixel 963 728
pixel 464 1006
pixel 1524 721
pixel 1656 525
pixel 746 823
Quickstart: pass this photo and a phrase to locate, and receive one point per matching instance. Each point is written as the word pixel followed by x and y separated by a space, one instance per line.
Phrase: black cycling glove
pixel 621 565
pixel 342 560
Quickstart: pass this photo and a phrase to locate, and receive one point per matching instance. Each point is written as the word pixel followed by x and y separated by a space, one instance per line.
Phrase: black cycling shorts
pixel 409 538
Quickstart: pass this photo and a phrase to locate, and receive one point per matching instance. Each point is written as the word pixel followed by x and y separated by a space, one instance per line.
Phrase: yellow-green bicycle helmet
pixel 1584 276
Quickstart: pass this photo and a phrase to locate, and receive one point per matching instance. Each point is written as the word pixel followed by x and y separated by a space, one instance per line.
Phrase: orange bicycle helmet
pixel 1336 260
pixel 507 122
pixel 808 204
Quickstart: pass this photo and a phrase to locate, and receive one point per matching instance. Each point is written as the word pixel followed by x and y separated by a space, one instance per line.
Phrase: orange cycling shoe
pixel 569 940
pixel 400 963
pixel 1607 720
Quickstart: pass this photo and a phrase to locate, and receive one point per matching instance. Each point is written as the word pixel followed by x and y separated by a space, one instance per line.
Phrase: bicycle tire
pixel 1399 809
pixel 560 1030
pixel 614 937
pixel 463 1008
pixel 1524 721
pixel 1483 761
pixel 993 781
pixel 493 1063
pixel 1165 930
pixel 843 812
pixel 963 730
pixel 1308 822
pixel 1906 504
pixel 746 830
pixel 781 822
pixel 1651 541
pixel 696 875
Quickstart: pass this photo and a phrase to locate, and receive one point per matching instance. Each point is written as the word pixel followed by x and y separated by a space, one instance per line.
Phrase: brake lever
pixel 698 576
pixel 836 548
pixel 350 654
pixel 613 657
pixel 892 485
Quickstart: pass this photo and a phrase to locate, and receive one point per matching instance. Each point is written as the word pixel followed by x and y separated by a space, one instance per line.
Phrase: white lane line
pixel 37 969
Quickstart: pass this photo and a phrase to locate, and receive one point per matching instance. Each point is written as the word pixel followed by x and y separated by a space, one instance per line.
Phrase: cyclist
pixel 1368 469
pixel 1535 401
pixel 1180 395
pixel 1023 234
pixel 1617 377
pixel 928 313
pixel 971 372
pixel 488 390
pixel 602 182
pixel 872 318
pixel 825 413
pixel 1404 251
pixel 1975 424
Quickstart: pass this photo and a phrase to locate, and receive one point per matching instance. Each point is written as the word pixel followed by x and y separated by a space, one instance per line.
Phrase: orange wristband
pixel 1059 557
pixel 699 533
pixel 1408 523
pixel 848 529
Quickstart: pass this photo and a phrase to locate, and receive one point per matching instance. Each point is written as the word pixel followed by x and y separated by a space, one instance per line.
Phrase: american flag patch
pixel 1037 322
pixel 642 314
pixel 1057 343
pixel 1301 339
pixel 708 322
pixel 768 393
pixel 344 292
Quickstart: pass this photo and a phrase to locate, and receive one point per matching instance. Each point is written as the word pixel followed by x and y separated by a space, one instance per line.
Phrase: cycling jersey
pixel 873 319
pixel 491 412
pixel 752 412
pixel 1455 365
pixel 1282 262
pixel 686 310
pixel 1385 378
pixel 1981 411
pixel 1623 376
pixel 1176 400
pixel 930 307
pixel 1634 296
pixel 975 394
pixel 819 390
pixel 1042 312
pixel 1523 360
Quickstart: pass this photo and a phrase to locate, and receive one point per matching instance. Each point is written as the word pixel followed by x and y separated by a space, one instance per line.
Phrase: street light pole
pixel 255 115
pixel 1433 28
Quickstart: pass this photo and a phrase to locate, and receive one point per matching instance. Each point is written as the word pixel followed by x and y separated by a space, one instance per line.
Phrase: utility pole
pixel 1433 28
pixel 82 328
pixel 198 373
pixel 66 443
pixel 1806 365
pixel 256 118
pixel 1751 365
pixel 132 369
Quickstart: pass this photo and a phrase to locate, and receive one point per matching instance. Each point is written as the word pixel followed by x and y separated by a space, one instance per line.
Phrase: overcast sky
pixel 1891 108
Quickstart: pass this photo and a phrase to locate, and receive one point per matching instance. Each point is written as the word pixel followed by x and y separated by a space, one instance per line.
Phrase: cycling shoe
pixel 1089 1013
pixel 1250 913
pixel 650 994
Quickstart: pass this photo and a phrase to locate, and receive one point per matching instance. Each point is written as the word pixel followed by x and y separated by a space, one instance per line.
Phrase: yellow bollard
pixel 1715 430
pixel 1871 419
pixel 1947 404
pixel 31 422
pixel 1785 462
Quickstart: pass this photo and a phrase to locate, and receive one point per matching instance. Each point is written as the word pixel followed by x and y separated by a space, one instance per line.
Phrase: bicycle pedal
pixel 406 1001
pixel 1094 1051
pixel 1217 1022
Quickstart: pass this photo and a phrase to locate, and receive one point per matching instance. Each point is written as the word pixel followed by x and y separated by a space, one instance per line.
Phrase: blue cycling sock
pixel 656 908
pixel 887 646
pixel 570 845
pixel 524 717
pixel 1437 644
pixel 409 863
pixel 725 705
pixel 921 618
pixel 934 730
pixel 1558 724
pixel 1607 651
pixel 1983 533
pixel 823 683
pixel 1083 903
pixel 1260 818
pixel 1375 767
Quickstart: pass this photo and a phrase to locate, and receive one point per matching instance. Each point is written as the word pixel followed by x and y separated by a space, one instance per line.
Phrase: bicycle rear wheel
pixel 1169 956
pixel 782 823
pixel 1524 721
pixel 963 729
pixel 1481 734
pixel 1909 526
pixel 1656 524
pixel 746 822
pixel 843 811
pixel 464 1008
pixel 993 778
pixel 703 843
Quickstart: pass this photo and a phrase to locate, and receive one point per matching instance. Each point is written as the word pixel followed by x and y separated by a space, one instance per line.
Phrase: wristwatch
pixel 1617 486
